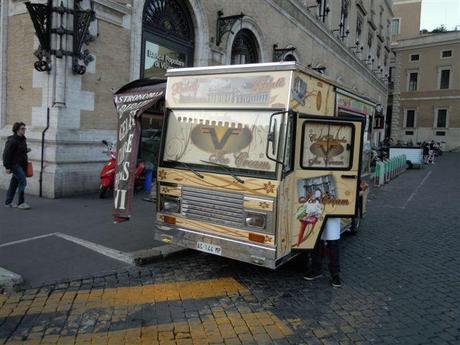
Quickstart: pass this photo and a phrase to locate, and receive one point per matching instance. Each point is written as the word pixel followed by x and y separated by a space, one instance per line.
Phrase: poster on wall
pixel 158 59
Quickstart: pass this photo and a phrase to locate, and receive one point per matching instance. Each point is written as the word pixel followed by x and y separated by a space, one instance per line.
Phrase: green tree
pixel 441 28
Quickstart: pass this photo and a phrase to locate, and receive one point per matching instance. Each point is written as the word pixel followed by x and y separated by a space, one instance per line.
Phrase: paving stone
pixel 400 276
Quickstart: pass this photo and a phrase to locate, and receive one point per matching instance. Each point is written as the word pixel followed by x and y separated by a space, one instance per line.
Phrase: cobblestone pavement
pixel 400 273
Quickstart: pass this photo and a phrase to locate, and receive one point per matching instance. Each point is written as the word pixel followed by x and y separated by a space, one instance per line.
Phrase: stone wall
pixel 112 51
pixel 21 94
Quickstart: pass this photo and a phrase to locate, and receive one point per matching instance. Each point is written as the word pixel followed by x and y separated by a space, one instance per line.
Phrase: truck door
pixel 327 173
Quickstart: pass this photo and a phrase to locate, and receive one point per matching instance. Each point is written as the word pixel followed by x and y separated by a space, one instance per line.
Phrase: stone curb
pixel 9 279
pixel 146 256
pixel 140 258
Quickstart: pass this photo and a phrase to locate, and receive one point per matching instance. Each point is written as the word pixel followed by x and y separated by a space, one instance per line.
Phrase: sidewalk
pixel 74 237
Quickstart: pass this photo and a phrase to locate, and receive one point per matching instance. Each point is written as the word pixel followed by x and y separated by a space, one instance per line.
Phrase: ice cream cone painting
pixel 311 193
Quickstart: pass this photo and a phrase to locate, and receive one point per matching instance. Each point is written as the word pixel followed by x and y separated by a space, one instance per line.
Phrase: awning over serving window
pixel 131 101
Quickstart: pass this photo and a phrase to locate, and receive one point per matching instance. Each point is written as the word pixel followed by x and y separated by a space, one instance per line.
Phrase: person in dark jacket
pixel 15 162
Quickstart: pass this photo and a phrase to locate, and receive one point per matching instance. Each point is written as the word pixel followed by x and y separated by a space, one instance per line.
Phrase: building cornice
pixel 390 5
pixel 361 69
pixel 113 12
pixel 427 41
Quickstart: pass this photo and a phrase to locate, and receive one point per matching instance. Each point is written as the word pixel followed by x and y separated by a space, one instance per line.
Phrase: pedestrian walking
pixel 431 152
pixel 15 163
pixel 330 237
pixel 426 151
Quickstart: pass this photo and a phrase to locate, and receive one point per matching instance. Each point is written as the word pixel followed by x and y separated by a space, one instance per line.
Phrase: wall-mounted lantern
pixel 41 18
pixel 224 24
pixel 41 15
pixel 318 68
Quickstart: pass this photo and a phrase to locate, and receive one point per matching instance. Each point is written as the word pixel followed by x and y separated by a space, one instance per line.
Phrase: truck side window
pixel 327 145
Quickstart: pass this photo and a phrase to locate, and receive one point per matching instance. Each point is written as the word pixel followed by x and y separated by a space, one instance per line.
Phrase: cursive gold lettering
pixel 241 160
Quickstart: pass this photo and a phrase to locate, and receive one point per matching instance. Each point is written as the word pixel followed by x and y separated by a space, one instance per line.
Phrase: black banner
pixel 131 101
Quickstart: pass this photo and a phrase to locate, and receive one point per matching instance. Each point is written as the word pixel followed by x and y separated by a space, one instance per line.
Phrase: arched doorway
pixel 245 48
pixel 167 37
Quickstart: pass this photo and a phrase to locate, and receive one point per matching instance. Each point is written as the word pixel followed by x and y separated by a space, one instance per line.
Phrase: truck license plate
pixel 209 248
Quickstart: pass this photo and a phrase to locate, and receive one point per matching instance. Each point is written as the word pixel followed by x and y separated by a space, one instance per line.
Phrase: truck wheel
pixel 102 191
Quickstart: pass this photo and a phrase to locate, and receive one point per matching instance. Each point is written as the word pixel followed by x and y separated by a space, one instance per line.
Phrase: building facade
pixel 347 40
pixel 425 76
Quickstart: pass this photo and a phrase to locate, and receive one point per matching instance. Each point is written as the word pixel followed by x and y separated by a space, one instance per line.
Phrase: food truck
pixel 255 158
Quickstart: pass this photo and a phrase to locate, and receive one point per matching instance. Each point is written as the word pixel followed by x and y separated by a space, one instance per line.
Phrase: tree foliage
pixel 441 28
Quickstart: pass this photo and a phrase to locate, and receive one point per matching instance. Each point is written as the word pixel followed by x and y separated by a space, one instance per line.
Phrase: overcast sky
pixel 437 12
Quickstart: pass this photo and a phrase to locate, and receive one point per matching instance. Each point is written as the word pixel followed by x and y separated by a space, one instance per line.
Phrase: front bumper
pixel 234 249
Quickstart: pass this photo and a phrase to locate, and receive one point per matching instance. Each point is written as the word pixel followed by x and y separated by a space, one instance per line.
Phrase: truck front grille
pixel 213 206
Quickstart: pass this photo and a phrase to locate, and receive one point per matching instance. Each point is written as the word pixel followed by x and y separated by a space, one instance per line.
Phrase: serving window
pixel 327 145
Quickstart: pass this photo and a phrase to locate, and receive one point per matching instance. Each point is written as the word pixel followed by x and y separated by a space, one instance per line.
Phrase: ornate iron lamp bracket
pixel 224 24
pixel 41 19
pixel 278 53
pixel 82 20
pixel 41 15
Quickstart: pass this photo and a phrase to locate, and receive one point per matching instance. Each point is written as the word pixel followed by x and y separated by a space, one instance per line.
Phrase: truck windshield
pixel 234 138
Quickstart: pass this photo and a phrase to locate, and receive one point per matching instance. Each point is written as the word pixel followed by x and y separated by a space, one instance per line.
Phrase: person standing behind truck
pixel 15 162
pixel 431 152
pixel 331 235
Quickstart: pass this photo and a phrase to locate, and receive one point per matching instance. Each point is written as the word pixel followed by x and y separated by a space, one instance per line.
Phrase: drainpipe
pixel 43 149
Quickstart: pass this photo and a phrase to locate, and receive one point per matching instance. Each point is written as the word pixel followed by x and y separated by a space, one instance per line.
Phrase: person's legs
pixel 334 257
pixel 11 190
pixel 317 256
pixel 20 175
pixel 316 269
pixel 334 262
pixel 148 180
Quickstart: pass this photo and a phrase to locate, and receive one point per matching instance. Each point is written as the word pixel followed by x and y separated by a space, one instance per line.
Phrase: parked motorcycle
pixel 107 174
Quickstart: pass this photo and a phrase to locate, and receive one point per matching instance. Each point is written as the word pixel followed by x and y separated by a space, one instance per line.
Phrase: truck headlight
pixel 256 220
pixel 169 204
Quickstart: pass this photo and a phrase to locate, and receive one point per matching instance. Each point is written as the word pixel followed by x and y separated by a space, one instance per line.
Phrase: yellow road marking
pixel 123 296
pixel 232 325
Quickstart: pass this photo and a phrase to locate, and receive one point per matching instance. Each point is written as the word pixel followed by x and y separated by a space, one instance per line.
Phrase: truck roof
pixel 261 67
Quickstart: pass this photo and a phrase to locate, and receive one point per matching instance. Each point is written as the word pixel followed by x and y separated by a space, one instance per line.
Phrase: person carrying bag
pixel 16 163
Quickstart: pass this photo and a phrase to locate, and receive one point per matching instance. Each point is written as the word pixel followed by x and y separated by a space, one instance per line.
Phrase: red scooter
pixel 107 173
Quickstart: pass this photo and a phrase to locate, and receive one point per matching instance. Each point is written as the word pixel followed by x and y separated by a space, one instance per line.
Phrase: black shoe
pixel 312 275
pixel 336 282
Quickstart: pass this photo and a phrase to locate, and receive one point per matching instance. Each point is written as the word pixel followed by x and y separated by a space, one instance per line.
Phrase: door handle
pixel 349 176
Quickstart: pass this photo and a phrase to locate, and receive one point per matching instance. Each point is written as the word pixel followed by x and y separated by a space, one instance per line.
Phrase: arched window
pixel 168 37
pixel 245 48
